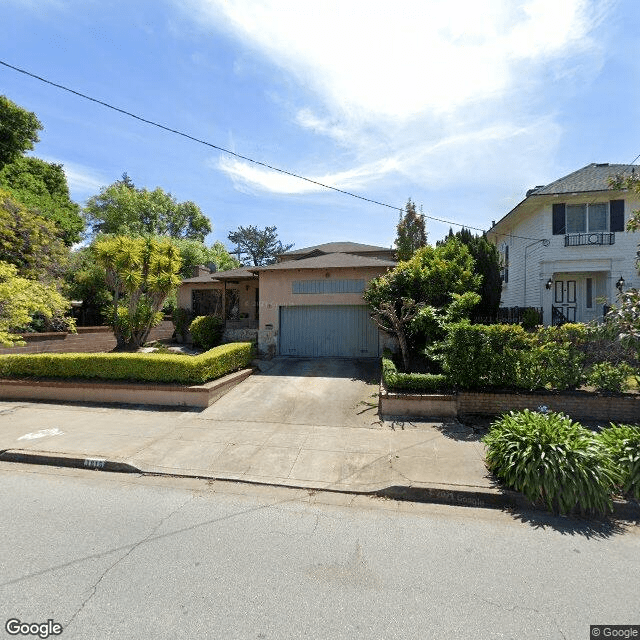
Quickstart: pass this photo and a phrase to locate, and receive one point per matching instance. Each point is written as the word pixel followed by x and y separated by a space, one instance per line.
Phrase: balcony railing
pixel 597 237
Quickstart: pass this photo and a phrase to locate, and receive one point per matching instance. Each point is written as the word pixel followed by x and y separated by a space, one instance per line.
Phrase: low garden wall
pixel 576 404
pixel 86 340
pixel 108 392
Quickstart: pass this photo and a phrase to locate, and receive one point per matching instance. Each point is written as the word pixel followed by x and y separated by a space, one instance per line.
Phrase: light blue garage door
pixel 328 331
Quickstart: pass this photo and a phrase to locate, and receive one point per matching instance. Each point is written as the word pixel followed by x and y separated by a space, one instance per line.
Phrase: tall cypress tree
pixel 411 232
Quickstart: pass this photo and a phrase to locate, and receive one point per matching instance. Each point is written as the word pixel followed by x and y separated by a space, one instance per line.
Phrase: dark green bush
pixel 181 319
pixel 552 460
pixel 206 331
pixel 623 444
pixel 606 376
pixel 419 382
pixel 506 356
pixel 151 367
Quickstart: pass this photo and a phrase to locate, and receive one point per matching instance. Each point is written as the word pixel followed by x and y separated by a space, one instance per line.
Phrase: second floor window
pixel 583 218
pixel 588 218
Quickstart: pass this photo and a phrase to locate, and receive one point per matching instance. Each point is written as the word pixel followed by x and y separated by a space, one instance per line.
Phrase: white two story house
pixel 564 248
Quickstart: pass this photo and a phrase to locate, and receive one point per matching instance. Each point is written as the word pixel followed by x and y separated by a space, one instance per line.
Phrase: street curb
pixel 442 494
pixel 61 460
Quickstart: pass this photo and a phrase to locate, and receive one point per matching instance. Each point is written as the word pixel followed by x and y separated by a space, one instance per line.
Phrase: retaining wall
pixel 86 340
pixel 578 405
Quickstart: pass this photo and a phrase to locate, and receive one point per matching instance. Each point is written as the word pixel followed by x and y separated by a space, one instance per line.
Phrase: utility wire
pixel 237 155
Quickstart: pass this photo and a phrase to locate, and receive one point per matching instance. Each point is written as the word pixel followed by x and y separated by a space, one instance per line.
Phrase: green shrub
pixel 148 367
pixel 476 355
pixel 181 319
pixel 610 377
pixel 506 356
pixel 420 382
pixel 623 444
pixel 552 460
pixel 206 331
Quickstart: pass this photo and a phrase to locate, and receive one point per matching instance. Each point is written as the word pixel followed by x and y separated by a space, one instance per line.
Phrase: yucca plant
pixel 623 444
pixel 552 460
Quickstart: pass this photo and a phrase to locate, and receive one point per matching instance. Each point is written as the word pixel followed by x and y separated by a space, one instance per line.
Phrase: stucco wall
pixel 276 290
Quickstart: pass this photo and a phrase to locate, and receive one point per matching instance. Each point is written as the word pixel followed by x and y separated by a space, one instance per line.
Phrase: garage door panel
pixel 328 331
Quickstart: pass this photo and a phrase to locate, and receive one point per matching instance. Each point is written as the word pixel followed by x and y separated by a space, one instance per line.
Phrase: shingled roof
pixel 593 177
pixel 328 261
pixel 337 247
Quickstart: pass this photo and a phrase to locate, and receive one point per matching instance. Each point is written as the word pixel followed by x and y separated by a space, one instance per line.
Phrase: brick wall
pixel 577 405
pixel 87 340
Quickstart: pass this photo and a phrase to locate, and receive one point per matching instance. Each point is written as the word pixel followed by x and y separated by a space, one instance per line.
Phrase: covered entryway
pixel 338 331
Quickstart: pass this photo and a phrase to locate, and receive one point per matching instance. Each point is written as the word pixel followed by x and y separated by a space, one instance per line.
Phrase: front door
pixel 565 299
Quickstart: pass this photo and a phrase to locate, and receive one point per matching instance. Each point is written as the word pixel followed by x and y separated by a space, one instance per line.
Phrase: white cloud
pixel 268 180
pixel 430 89
pixel 83 181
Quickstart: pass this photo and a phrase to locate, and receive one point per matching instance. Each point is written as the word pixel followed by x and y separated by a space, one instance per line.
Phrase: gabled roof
pixel 337 247
pixel 209 277
pixel 219 276
pixel 327 261
pixel 593 177
pixel 234 274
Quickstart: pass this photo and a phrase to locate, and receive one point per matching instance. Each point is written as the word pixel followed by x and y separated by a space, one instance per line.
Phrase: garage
pixel 339 331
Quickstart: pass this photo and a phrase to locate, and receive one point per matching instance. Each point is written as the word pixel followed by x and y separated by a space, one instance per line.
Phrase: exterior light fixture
pixel 620 284
pixel 549 283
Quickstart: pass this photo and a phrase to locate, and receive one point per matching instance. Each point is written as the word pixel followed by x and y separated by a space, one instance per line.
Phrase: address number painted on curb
pixel 94 463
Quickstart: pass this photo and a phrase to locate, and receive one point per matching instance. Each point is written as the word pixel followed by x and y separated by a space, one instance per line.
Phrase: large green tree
pixel 486 259
pixel 122 208
pixel 194 253
pixel 23 298
pixel 140 272
pixel 410 298
pixel 18 131
pixel 42 187
pixel 29 241
pixel 259 246
pixel 412 234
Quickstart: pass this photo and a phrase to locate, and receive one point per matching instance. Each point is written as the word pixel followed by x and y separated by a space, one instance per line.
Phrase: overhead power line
pixel 237 155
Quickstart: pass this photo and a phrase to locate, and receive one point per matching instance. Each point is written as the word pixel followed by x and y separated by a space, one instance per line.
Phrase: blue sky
pixel 461 106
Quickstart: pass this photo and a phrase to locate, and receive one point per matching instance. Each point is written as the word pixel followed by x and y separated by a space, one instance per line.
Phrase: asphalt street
pixel 122 556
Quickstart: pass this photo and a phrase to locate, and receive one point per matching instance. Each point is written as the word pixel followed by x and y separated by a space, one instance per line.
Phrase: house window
pixel 504 271
pixel 588 218
pixel 589 296
pixel 206 302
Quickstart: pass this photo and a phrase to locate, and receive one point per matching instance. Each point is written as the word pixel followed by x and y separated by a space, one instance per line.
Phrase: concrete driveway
pixel 332 392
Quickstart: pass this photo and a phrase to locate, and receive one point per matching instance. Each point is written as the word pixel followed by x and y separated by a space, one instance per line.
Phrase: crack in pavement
pixel 131 549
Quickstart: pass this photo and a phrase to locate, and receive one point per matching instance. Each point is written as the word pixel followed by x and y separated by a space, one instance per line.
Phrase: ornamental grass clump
pixel 622 441
pixel 552 460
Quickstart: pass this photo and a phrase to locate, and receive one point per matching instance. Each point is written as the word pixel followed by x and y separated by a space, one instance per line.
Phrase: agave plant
pixel 552 460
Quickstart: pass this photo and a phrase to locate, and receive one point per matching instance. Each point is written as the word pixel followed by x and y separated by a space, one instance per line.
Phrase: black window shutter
pixel 559 224
pixel 616 213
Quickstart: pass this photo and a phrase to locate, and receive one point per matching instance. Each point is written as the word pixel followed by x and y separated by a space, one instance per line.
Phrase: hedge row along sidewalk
pixel 142 367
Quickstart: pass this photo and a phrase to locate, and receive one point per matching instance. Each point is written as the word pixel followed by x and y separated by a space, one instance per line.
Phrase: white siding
pixel 604 262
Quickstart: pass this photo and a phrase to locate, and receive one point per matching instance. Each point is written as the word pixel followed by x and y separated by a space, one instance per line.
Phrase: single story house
pixel 564 248
pixel 307 304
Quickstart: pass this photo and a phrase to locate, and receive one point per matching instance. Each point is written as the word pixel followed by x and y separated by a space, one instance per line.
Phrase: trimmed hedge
pixel 420 382
pixel 141 367
pixel 507 356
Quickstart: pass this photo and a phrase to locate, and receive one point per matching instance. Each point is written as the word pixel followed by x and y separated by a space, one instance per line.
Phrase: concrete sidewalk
pixel 421 461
